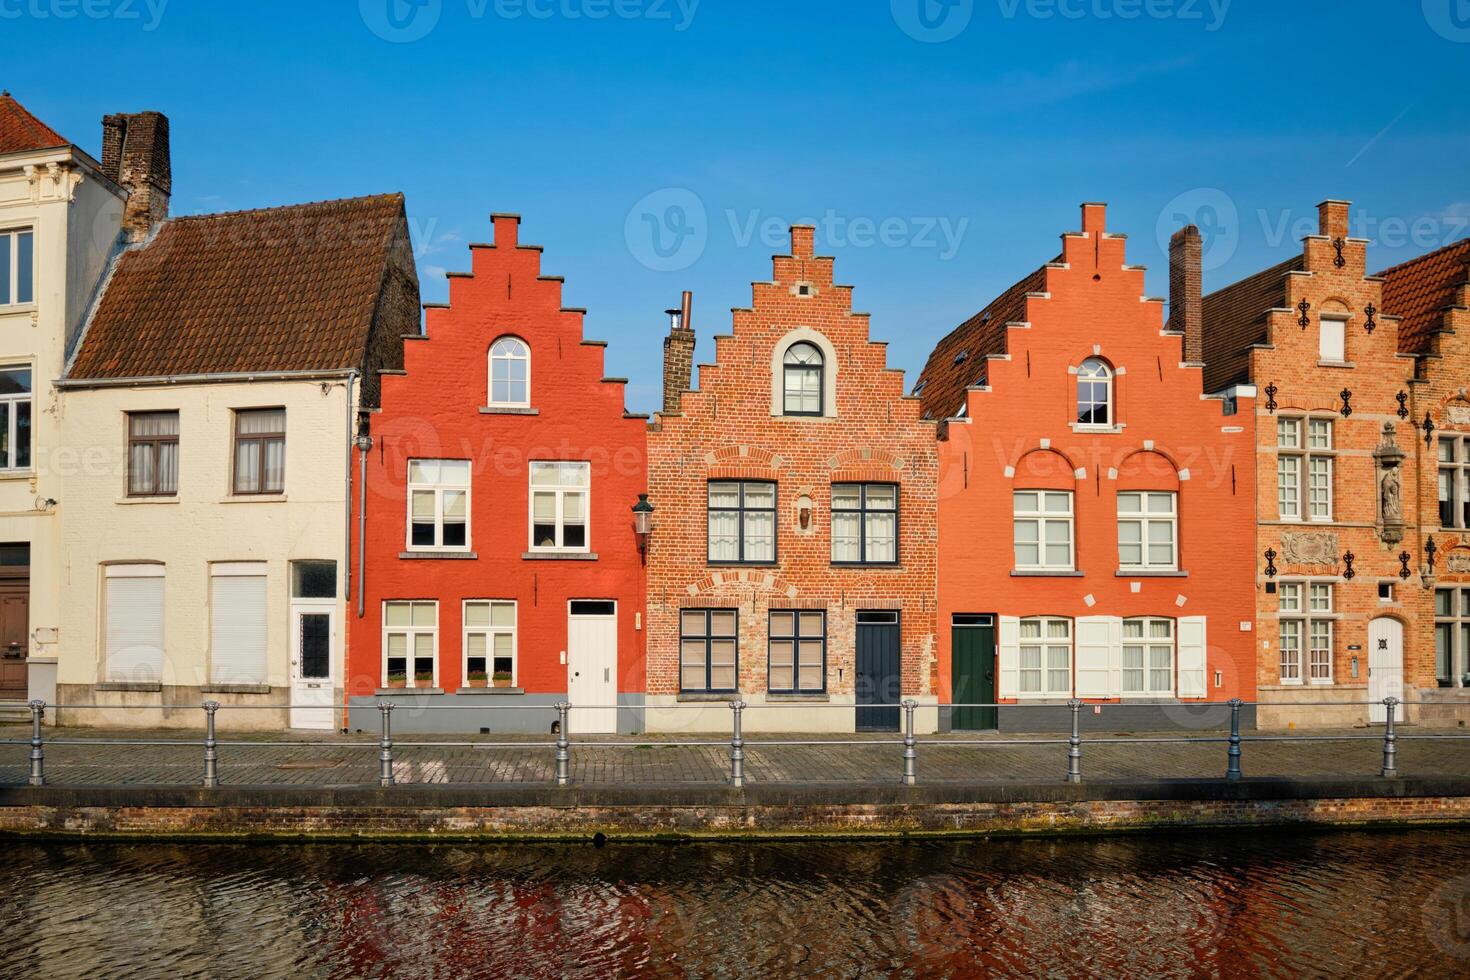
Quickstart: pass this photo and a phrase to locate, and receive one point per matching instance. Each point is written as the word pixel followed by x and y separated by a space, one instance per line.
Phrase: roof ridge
pixel 390 195
pixel 1463 243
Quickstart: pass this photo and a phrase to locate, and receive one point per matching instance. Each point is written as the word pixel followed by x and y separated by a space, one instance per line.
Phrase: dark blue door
pixel 879 677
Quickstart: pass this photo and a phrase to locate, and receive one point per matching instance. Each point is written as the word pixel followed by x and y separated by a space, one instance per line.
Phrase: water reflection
pixel 1272 903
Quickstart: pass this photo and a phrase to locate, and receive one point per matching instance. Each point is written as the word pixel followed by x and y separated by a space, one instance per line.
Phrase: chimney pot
pixel 678 354
pixel 1186 288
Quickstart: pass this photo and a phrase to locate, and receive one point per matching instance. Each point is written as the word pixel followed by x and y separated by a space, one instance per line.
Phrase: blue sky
pixel 651 145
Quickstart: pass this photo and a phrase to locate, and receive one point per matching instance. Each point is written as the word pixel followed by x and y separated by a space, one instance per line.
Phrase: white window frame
pixel 490 632
pixel 12 403
pixel 257 571
pixel 438 487
pixel 1044 646
pixel 13 298
pixel 410 631
pixel 1147 519
pixel 1307 609
pixel 1107 379
pixel 1147 645
pixel 1454 476
pixel 1338 355
pixel 562 491
pixel 1308 465
pixel 124 571
pixel 1041 518
pixel 492 357
pixel 1455 622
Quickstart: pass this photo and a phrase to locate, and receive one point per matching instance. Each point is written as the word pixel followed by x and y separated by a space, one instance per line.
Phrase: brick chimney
pixel 135 155
pixel 679 354
pixel 1332 218
pixel 1186 308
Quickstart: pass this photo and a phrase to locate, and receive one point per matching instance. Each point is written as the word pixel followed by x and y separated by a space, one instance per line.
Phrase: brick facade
pixel 1018 428
pixel 439 407
pixel 731 428
pixel 1347 542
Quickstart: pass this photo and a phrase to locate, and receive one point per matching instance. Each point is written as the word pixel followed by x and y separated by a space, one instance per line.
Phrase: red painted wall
pixel 432 410
pixel 1097 302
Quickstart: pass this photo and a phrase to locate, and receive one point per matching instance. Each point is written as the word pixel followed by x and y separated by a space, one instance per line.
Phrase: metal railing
pixel 563 745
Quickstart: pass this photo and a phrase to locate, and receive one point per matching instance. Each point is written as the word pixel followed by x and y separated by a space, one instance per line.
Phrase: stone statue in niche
pixel 1309 548
pixel 1388 457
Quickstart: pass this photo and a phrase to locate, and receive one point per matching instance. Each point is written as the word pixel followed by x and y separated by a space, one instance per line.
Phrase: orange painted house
pixel 500 568
pixel 1096 510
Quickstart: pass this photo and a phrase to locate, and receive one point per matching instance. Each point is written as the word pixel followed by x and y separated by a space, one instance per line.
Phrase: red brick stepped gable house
pixel 1338 554
pixel 792 557
pixel 501 568
pixel 1095 510
pixel 1431 297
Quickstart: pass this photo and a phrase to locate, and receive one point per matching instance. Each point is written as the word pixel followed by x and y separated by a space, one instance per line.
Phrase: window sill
pixel 254 498
pixel 867 564
pixel 743 564
pixel 1097 429
pixel 384 692
pixel 433 555
pixel 1151 573
pixel 1336 364
pixel 507 410
pixel 17 475
pixel 139 687
pixel 9 308
pixel 797 698
pixel 235 689
pixel 692 698
pixel 1044 573
pixel 135 501
pixel 491 691
pixel 559 556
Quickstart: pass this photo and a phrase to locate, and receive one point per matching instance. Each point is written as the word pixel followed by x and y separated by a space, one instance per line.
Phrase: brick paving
pixel 352 760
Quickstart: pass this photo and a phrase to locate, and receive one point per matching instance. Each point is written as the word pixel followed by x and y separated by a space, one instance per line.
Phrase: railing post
pixel 1232 772
pixel 385 744
pixel 1390 748
pixel 38 755
pixel 737 745
pixel 1074 744
pixel 211 754
pixel 563 745
pixel 910 756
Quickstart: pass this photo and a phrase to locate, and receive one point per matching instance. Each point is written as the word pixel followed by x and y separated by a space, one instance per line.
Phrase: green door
pixel 972 658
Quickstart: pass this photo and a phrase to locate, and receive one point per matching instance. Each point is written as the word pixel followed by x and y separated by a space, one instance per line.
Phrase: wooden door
pixel 879 674
pixel 15 630
pixel 972 659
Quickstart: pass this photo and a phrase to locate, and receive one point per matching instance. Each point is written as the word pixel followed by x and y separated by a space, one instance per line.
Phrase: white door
pixel 313 638
pixel 592 667
pixel 1385 667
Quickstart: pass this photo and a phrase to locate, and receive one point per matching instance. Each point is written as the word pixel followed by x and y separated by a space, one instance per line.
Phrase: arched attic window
pixel 802 382
pixel 510 373
pixel 1095 393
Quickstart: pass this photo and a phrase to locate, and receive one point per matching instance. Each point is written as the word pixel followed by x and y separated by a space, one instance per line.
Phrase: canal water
pixel 1270 903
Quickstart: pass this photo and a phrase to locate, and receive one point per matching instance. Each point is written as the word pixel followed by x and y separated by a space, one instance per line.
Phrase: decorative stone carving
pixel 1388 457
pixel 1458 562
pixel 1309 548
pixel 1458 414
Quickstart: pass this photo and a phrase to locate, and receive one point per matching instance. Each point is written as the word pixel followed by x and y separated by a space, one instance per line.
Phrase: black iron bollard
pixel 211 755
pixel 1390 748
pixel 1232 772
pixel 385 744
pixel 38 754
pixel 1074 744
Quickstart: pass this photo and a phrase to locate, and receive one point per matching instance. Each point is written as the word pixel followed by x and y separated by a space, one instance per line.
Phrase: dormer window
pixel 510 373
pixel 1095 393
pixel 802 380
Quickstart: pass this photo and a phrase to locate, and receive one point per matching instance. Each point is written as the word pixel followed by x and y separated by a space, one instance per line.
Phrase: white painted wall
pixel 203 524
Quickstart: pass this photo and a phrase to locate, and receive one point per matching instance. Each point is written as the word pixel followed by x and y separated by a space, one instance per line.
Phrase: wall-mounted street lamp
pixel 643 524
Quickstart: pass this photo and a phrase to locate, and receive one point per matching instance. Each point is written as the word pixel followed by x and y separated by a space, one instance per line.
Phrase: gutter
pixel 227 377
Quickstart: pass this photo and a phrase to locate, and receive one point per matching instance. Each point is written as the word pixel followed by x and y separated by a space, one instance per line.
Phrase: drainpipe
pixel 347 496
pixel 364 446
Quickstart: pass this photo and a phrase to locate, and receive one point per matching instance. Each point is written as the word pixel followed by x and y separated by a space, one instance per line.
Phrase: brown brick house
pixel 1431 297
pixel 792 560
pixel 1338 589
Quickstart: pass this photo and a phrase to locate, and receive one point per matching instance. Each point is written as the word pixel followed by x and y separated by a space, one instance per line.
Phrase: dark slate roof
pixel 1235 320
pixel 21 131
pixel 280 289
pixel 958 361
pixel 1420 290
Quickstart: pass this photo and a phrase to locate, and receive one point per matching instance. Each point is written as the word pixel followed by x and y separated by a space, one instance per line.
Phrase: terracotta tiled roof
pixel 282 289
pixel 20 131
pixel 1421 289
pixel 958 361
pixel 1235 320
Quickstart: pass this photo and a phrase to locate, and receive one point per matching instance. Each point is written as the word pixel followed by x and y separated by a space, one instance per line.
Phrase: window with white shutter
pixel 237 634
pixel 133 623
